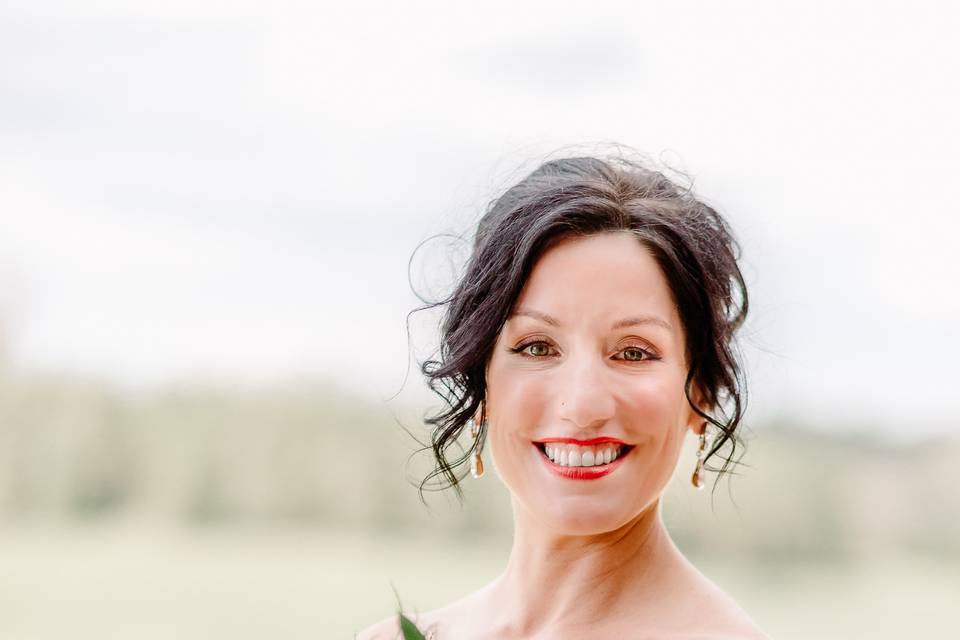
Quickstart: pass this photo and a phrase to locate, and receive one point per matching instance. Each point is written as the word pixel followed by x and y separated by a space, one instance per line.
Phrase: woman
pixel 592 331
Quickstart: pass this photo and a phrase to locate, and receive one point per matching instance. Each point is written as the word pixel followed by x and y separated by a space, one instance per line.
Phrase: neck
pixel 554 580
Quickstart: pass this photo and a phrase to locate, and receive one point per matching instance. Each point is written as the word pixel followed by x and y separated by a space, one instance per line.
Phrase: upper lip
pixel 584 443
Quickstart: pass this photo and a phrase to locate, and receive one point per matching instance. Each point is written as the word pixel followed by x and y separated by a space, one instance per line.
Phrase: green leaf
pixel 410 631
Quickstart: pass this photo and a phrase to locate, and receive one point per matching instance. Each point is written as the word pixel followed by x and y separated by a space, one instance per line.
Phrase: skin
pixel 590 558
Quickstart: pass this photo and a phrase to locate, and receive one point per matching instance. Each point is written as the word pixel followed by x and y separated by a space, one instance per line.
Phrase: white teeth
pixel 575 456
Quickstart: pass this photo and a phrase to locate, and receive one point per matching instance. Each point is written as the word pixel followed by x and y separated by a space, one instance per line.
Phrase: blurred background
pixel 209 222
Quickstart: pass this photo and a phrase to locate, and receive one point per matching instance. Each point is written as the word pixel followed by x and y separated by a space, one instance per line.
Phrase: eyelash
pixel 649 355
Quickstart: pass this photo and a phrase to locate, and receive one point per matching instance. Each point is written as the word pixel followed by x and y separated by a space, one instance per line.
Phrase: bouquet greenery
pixel 410 630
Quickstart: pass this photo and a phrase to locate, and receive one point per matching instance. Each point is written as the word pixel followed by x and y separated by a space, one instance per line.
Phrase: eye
pixel 637 354
pixel 536 349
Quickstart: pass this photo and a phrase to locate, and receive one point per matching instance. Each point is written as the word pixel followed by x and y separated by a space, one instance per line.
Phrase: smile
pixel 583 463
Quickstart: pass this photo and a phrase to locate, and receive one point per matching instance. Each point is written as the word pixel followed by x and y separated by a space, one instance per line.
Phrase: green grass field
pixel 209 513
pixel 144 582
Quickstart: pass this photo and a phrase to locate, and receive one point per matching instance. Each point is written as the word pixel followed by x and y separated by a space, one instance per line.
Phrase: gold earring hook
pixel 697 478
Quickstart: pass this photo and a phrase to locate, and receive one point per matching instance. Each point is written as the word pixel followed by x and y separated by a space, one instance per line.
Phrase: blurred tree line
pixel 312 455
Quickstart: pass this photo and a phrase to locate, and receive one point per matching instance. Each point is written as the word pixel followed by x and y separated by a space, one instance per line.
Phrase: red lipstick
pixel 583 473
pixel 584 443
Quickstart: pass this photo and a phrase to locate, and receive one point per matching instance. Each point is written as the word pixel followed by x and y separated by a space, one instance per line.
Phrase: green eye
pixel 538 349
pixel 543 346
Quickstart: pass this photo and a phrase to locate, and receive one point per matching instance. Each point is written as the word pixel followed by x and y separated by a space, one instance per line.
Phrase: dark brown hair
pixel 580 196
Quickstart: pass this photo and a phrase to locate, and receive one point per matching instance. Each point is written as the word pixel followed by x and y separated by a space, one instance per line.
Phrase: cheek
pixel 516 396
pixel 654 415
pixel 654 405
pixel 510 387
pixel 518 404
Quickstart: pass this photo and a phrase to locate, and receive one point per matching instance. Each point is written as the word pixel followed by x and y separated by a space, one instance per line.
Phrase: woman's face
pixel 593 348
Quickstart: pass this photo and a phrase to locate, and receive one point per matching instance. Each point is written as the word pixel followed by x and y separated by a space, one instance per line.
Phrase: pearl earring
pixel 697 478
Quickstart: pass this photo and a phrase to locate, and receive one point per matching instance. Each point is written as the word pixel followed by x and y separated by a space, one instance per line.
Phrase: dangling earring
pixel 476 462
pixel 697 478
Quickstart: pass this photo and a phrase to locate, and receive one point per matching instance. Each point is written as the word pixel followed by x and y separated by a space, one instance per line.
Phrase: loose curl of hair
pixel 581 196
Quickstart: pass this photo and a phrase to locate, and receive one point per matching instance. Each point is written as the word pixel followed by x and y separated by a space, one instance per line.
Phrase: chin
pixel 574 520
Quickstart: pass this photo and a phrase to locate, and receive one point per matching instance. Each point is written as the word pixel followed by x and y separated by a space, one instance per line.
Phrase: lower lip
pixel 582 473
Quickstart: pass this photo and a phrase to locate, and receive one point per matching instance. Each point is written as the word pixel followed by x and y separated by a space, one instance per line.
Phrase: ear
pixel 480 413
pixel 695 422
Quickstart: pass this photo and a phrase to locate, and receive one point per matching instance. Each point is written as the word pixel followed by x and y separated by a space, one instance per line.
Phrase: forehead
pixel 598 279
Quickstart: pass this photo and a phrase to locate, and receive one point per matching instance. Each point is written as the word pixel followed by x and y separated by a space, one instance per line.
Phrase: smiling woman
pixel 622 381
pixel 592 331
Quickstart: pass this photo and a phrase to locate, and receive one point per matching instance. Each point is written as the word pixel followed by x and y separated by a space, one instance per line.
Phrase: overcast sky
pixel 204 190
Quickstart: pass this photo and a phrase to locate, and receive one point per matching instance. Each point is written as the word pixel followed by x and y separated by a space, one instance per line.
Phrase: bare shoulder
pixel 386 629
pixel 435 624
pixel 389 628
pixel 718 616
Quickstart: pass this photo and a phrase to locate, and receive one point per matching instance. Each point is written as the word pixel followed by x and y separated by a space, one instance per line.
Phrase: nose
pixel 585 398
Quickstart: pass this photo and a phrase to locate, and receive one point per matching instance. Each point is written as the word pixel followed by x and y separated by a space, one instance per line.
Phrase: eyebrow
pixel 632 321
